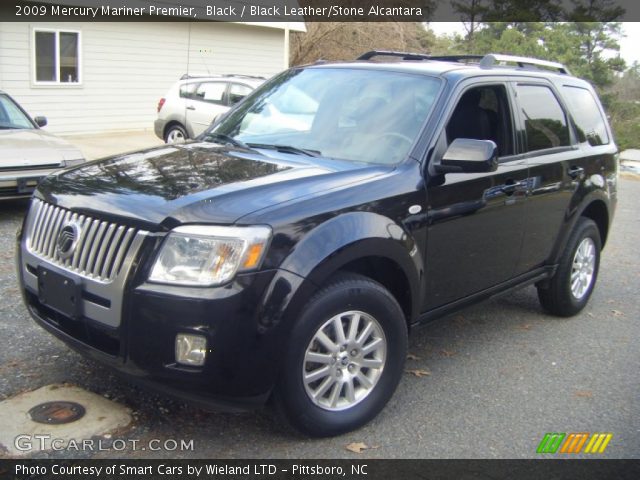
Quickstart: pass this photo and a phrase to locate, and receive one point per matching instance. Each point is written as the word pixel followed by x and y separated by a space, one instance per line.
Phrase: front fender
pixel 317 255
pixel 330 246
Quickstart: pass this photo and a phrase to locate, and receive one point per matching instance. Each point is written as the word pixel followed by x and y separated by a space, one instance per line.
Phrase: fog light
pixel 191 349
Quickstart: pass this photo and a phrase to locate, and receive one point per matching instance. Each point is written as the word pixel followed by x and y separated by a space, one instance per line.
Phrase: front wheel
pixel 345 357
pixel 570 288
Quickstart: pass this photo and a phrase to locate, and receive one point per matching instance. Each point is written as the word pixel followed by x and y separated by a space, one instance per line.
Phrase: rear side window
pixel 590 123
pixel 188 90
pixel 544 120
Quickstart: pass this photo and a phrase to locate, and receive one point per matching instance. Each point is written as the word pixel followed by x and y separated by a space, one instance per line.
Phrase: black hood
pixel 195 182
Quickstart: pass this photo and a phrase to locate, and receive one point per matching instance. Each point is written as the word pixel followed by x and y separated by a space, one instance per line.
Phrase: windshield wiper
pixel 226 139
pixel 287 149
pixel 279 148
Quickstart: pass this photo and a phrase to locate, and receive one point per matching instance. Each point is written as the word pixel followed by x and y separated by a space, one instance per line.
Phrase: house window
pixel 57 56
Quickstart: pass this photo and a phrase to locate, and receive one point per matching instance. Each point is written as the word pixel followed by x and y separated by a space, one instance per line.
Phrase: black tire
pixel 557 296
pixel 175 131
pixel 348 292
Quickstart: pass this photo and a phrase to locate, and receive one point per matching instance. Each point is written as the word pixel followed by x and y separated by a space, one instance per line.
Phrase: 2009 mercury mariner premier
pixel 287 251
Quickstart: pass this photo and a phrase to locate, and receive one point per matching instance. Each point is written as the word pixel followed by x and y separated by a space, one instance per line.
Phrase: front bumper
pixel 22 182
pixel 234 377
pixel 131 326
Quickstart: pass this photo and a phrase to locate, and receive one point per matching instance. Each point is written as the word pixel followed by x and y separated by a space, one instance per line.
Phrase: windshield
pixel 348 114
pixel 11 116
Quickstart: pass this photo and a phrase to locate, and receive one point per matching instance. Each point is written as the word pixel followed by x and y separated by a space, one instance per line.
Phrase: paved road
pixel 502 374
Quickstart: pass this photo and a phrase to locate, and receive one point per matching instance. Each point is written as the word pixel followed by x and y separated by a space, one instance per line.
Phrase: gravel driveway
pixel 498 376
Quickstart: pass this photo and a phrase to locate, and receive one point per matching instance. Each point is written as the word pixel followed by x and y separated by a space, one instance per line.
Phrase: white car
pixel 193 102
pixel 28 153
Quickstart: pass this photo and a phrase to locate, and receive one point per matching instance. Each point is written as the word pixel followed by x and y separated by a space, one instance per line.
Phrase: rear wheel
pixel 570 288
pixel 175 134
pixel 345 357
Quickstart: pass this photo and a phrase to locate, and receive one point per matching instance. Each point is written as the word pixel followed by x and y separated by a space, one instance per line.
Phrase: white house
pixel 88 77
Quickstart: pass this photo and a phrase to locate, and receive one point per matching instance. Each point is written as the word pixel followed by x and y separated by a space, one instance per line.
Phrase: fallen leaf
pixel 583 393
pixel 418 372
pixel 590 314
pixel 447 353
pixel 411 356
pixel 357 447
pixel 617 313
pixel 526 326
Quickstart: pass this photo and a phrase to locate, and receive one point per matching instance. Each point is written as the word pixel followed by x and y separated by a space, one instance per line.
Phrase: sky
pixel 629 44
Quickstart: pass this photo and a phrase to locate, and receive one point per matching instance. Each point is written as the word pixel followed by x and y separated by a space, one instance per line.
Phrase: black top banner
pixel 319 10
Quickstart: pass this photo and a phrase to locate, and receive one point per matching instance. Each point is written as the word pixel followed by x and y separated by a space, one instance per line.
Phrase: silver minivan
pixel 193 102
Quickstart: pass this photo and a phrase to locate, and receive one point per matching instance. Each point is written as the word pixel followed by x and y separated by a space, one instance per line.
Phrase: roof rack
pixel 490 60
pixel 418 56
pixel 257 77
pixel 187 76
pixel 389 53
pixel 456 58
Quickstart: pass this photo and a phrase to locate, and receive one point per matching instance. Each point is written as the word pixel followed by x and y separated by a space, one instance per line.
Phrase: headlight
pixel 201 255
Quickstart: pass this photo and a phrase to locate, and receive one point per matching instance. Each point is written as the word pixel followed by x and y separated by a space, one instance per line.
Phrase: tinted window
pixel 211 92
pixel 590 124
pixel 482 113
pixel 544 119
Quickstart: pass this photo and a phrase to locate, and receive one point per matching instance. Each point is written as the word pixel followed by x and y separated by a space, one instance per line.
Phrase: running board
pixel 521 281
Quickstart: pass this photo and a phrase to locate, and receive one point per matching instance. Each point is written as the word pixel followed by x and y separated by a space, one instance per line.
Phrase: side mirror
pixel 465 155
pixel 40 121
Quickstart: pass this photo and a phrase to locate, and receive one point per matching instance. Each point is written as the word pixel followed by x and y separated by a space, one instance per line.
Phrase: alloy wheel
pixel 344 360
pixel 583 267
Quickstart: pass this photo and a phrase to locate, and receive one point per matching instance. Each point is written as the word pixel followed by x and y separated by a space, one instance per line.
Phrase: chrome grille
pixel 100 249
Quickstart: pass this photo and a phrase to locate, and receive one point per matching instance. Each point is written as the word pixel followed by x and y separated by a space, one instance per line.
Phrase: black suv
pixel 286 253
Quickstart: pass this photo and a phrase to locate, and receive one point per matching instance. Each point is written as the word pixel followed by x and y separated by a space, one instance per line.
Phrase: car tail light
pixel 160 104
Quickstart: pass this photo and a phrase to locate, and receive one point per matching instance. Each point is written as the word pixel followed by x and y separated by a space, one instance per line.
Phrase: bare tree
pixel 347 40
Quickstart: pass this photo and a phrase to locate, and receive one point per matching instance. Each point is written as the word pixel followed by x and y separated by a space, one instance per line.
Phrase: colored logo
pixel 574 442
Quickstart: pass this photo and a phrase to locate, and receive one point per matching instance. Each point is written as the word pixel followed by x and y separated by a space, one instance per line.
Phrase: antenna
pixel 188 46
pixel 204 62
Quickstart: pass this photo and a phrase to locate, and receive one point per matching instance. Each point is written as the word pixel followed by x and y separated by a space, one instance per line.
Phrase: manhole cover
pixel 57 413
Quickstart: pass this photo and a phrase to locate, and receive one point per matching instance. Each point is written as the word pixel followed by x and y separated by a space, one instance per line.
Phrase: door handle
pixel 575 172
pixel 191 107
